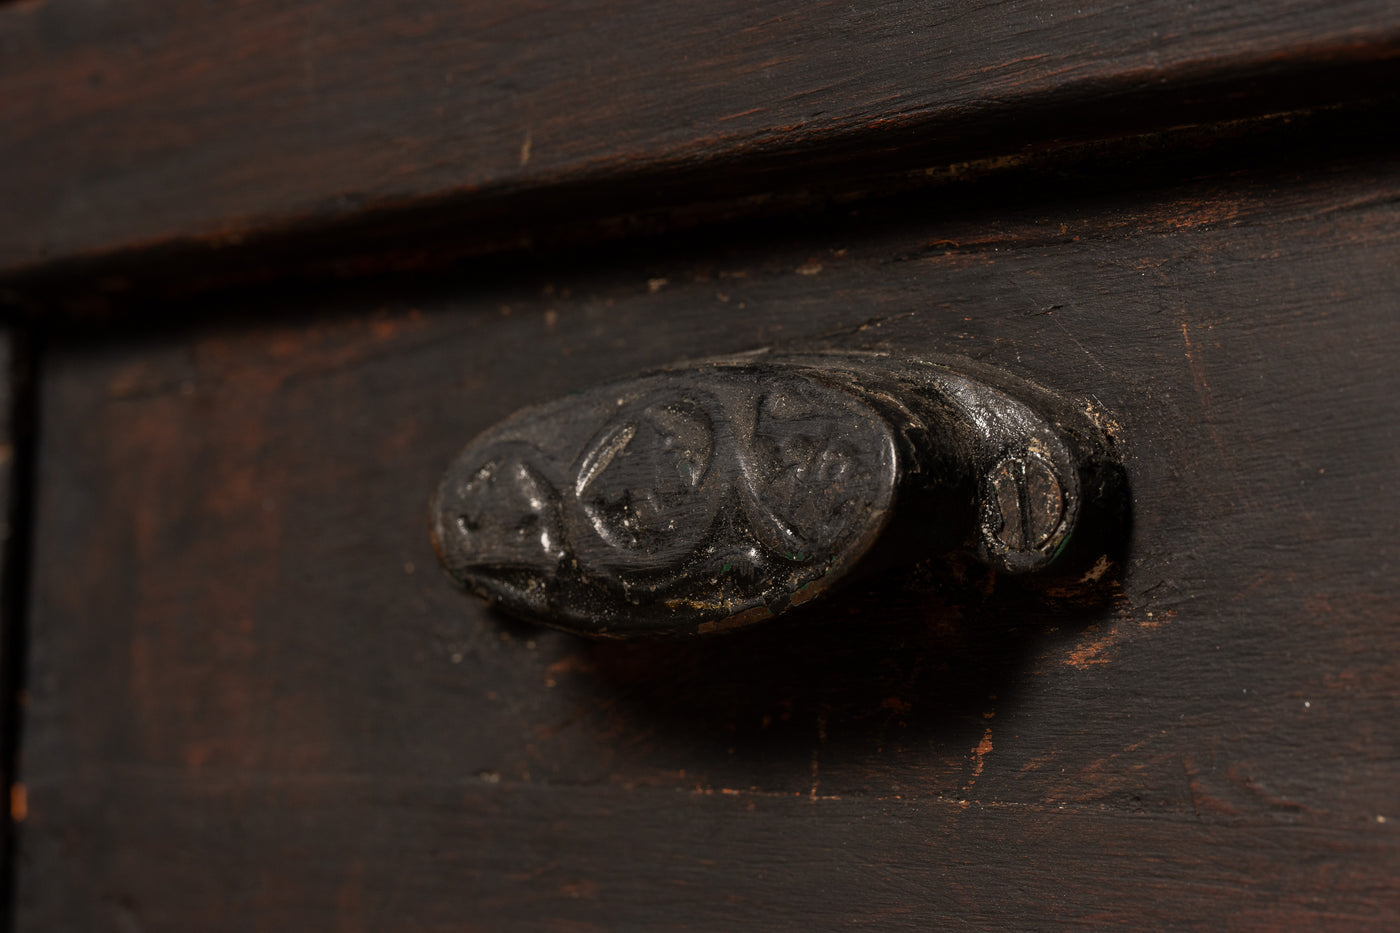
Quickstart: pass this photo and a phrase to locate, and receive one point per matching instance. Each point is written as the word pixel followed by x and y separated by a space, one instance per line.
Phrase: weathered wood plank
pixel 142 124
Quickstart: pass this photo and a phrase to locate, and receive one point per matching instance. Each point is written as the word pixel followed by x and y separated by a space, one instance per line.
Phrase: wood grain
pixel 165 122
pixel 258 704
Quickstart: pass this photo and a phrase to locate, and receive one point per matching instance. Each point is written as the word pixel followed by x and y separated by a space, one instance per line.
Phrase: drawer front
pixel 255 702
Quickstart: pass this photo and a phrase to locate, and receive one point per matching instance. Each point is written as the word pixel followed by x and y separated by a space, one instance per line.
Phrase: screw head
pixel 1024 503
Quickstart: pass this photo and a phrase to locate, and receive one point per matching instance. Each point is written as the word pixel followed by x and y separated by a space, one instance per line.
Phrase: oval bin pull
pixel 720 493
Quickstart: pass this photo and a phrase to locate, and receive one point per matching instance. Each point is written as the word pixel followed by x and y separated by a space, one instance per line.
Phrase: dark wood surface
pixel 257 703
pixel 179 123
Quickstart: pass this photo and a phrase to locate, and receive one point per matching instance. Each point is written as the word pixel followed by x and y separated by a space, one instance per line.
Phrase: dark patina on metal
pixel 719 493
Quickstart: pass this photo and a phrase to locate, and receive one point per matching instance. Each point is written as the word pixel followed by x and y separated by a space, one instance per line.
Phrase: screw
pixel 1025 504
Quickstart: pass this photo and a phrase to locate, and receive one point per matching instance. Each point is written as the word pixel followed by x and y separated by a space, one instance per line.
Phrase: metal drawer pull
pixel 720 493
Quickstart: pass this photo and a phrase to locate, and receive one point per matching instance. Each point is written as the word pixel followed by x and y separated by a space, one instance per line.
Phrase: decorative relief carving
pixel 645 481
pixel 812 468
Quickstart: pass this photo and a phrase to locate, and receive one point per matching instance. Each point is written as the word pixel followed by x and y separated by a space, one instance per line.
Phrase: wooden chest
pixel 268 266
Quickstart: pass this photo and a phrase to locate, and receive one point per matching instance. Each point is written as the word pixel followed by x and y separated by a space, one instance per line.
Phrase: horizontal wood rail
pixel 152 124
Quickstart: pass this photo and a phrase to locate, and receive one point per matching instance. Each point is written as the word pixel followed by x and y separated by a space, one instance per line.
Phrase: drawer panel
pixel 255 702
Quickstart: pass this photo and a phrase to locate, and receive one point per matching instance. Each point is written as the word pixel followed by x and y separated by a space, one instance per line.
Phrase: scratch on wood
pixel 979 756
pixel 1094 650
pixel 1193 357
pixel 1060 324
pixel 1198 376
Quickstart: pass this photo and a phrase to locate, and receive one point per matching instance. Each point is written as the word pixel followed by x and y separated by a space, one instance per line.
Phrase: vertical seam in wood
pixel 14 597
